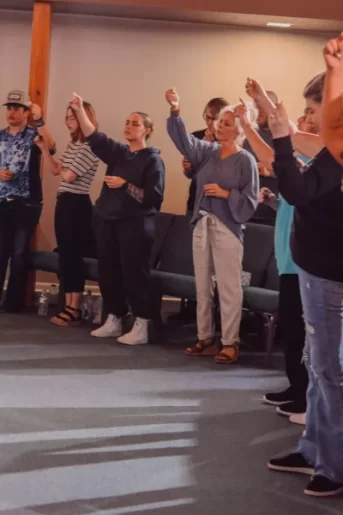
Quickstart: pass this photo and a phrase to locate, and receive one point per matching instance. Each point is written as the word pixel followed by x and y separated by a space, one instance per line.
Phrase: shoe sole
pixel 274 403
pixel 295 470
pixel 323 494
pixel 132 344
pixel 279 411
pixel 107 335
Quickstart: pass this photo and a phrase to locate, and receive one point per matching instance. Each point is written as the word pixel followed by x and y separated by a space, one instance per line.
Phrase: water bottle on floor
pixel 97 314
pixel 87 307
pixel 53 297
pixel 43 303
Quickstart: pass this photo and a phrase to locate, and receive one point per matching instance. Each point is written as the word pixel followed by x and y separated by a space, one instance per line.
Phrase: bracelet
pixel 175 112
pixel 39 123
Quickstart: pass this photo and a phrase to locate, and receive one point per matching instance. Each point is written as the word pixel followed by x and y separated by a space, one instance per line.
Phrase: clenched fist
pixel 76 102
pixel 173 98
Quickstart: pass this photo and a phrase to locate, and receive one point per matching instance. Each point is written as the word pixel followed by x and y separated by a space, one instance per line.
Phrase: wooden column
pixel 38 88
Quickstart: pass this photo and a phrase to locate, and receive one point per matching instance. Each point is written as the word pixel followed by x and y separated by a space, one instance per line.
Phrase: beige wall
pixel 15 41
pixel 121 66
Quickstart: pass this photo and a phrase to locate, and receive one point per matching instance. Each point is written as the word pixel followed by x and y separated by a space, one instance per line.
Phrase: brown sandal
pixel 200 348
pixel 225 359
pixel 67 317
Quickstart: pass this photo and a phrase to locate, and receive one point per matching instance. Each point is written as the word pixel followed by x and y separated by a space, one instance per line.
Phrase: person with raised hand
pixel 292 400
pixel 125 212
pixel 21 195
pixel 76 168
pixel 226 197
pixel 318 253
pixel 332 112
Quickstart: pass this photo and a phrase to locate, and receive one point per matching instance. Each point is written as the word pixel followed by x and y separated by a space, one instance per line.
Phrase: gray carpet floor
pixel 91 427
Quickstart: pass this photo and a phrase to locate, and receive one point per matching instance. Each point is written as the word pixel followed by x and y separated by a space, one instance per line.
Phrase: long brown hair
pixel 90 112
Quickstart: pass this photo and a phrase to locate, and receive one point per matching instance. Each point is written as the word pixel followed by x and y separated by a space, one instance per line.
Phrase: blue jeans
pixel 322 445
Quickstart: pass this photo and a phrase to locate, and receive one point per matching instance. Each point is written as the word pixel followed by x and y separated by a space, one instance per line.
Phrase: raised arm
pixel 42 129
pixel 192 148
pixel 332 110
pixel 306 144
pixel 299 189
pixel 103 147
pixel 263 152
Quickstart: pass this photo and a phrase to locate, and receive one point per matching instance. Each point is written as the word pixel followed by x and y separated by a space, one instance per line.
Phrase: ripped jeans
pixel 322 445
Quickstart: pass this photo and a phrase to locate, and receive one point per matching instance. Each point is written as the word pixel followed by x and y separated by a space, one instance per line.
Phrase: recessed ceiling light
pixel 279 25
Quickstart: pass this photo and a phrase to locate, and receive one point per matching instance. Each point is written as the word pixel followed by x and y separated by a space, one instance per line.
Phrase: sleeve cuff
pixel 283 146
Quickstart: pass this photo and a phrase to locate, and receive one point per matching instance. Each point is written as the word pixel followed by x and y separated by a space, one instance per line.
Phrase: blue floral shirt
pixel 19 154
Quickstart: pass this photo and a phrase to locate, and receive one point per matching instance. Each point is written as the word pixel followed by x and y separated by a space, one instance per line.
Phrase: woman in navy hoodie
pixel 317 249
pixel 125 212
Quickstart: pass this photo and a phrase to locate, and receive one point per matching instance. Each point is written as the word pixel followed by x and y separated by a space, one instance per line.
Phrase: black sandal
pixel 72 320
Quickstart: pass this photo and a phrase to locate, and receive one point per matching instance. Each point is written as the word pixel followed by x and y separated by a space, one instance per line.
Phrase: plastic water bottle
pixel 97 314
pixel 43 303
pixel 88 307
pixel 53 297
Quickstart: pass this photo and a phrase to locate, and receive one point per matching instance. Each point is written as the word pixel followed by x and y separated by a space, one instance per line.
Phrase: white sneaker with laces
pixel 111 328
pixel 138 334
pixel 299 419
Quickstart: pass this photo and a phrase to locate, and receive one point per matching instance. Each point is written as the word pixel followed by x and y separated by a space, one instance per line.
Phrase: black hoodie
pixel 143 169
pixel 316 240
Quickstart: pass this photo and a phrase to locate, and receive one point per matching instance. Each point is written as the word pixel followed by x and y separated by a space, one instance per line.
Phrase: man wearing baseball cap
pixel 20 192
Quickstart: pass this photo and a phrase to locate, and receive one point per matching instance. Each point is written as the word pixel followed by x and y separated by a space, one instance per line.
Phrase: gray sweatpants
pixel 218 253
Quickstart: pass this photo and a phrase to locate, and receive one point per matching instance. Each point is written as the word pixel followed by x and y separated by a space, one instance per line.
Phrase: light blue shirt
pixel 283 229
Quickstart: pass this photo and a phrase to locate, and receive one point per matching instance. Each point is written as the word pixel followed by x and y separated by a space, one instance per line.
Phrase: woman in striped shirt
pixel 73 215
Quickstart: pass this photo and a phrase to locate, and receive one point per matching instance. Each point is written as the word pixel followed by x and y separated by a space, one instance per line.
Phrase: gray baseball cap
pixel 18 97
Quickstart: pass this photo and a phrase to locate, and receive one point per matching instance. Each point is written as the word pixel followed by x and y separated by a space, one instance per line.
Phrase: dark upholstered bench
pixel 173 272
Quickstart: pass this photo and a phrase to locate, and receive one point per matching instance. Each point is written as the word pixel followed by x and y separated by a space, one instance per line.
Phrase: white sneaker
pixel 299 419
pixel 111 328
pixel 138 334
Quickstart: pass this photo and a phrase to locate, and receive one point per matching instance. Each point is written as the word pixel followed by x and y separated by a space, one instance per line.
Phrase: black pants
pixel 124 250
pixel 17 224
pixel 292 330
pixel 73 229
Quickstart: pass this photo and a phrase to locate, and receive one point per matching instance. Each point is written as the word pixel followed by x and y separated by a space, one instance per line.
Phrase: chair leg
pixel 271 323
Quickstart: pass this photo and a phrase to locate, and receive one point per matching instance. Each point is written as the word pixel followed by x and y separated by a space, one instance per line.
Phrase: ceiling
pixel 186 11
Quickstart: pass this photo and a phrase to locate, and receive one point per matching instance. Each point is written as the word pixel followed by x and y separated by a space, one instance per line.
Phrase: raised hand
pixel 36 111
pixel 76 102
pixel 254 89
pixel 279 122
pixel 173 98
pixel 242 112
pixel 333 53
pixel 213 190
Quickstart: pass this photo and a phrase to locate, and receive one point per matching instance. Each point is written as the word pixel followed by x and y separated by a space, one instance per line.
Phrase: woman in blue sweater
pixel 226 197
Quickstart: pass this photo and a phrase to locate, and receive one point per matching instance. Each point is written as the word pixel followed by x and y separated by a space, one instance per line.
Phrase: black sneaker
pixel 321 486
pixel 277 399
pixel 294 462
pixel 292 408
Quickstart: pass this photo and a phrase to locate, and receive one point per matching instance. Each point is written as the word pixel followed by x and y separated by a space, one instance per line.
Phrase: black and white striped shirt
pixel 79 159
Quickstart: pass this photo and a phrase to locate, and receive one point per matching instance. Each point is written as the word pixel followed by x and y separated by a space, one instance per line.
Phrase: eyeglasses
pixel 208 118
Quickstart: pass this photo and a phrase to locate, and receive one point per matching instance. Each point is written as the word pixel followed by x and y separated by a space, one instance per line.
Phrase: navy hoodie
pixel 144 169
